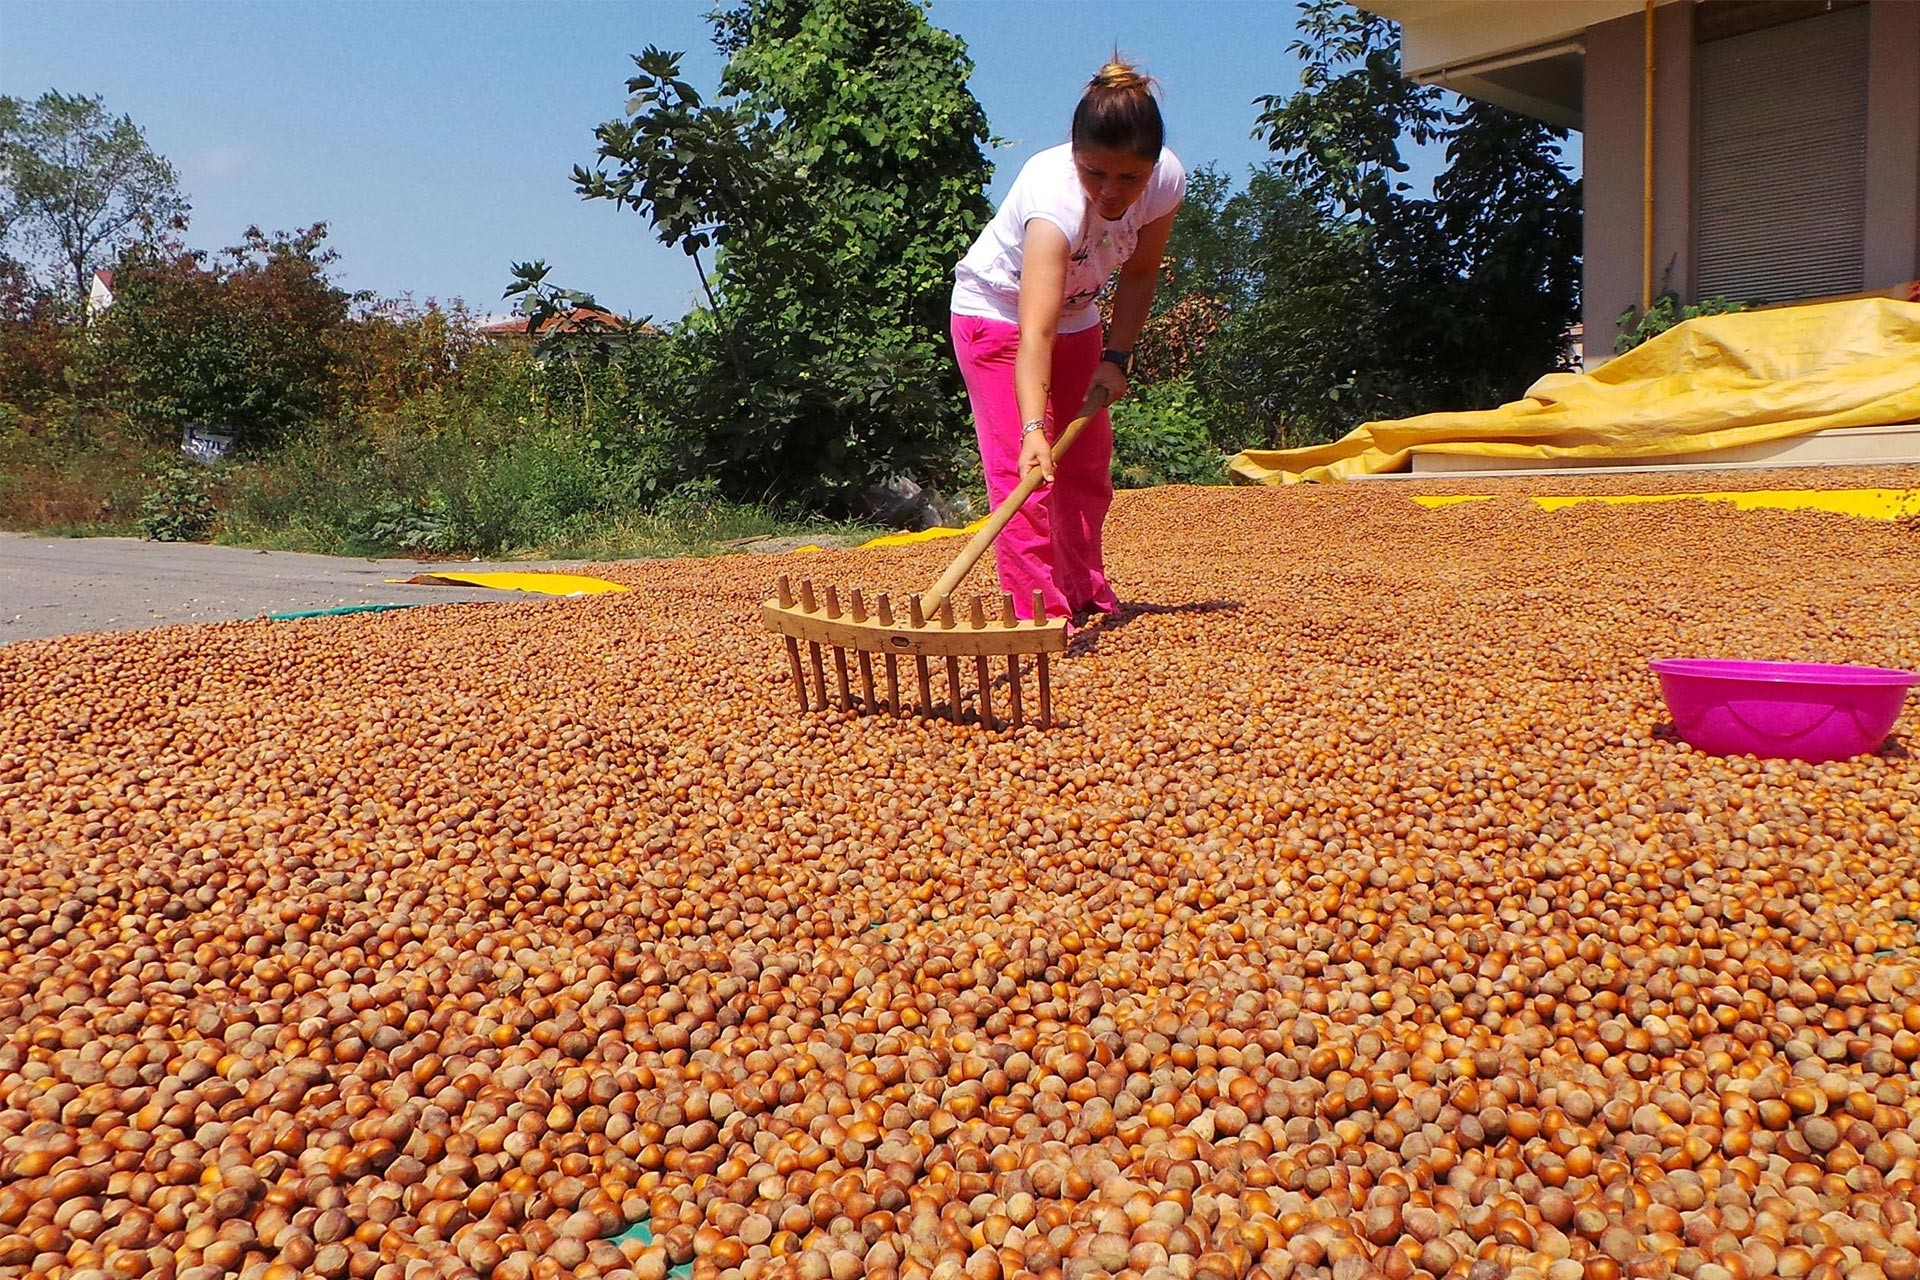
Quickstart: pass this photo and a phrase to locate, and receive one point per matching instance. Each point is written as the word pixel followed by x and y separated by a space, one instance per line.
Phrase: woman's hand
pixel 1036 451
pixel 1110 377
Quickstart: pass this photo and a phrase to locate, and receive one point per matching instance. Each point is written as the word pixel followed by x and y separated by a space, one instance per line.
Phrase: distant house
pixel 1760 150
pixel 100 295
pixel 579 320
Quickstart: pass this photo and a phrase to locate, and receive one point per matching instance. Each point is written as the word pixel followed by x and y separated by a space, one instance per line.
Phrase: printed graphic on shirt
pixel 1114 241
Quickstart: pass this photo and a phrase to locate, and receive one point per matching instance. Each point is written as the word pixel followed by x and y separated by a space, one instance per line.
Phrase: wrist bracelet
pixel 1122 359
pixel 1030 426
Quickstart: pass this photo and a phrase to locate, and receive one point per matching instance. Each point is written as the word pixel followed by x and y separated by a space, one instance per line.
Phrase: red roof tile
pixel 574 320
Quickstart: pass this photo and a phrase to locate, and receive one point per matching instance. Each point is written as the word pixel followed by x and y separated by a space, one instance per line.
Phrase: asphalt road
pixel 59 586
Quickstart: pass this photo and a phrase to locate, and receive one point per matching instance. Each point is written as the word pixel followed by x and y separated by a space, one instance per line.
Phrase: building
pixel 1758 150
pixel 579 320
pixel 100 293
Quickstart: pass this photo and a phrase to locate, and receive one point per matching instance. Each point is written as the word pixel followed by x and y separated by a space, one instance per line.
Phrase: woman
pixel 1027 332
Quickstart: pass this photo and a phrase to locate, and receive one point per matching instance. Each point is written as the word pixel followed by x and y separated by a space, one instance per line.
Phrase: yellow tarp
pixel 548 584
pixel 920 535
pixel 1716 382
pixel 1868 504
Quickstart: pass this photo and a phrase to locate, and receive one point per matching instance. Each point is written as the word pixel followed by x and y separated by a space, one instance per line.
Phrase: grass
pixel 650 537
pixel 638 537
pixel 99 493
pixel 80 529
pixel 58 488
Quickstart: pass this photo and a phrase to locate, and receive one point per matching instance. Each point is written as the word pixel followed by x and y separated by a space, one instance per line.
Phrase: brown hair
pixel 1119 112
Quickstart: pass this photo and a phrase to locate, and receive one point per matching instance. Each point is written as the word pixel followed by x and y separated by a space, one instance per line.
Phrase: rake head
pixel 979 637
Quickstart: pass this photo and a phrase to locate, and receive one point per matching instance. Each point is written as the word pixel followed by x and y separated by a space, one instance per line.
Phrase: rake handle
pixel 977 545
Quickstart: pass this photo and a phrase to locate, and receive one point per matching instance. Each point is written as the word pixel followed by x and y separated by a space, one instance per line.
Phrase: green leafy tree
pixel 1343 130
pixel 250 340
pixel 1280 365
pixel 1200 253
pixel 824 197
pixel 79 186
pixel 588 368
pixel 1458 300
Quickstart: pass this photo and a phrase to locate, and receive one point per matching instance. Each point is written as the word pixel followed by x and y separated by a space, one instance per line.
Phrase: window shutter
pixel 1780 192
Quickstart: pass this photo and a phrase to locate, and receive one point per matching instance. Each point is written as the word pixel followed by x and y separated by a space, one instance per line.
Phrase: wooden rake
pixel 929 629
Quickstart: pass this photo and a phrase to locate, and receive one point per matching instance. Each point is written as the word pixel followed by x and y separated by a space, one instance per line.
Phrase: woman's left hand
pixel 1109 376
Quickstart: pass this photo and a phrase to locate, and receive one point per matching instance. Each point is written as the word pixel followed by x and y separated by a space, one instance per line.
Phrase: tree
pixel 77 186
pixel 835 181
pixel 1279 364
pixel 1463 298
pixel 35 341
pixel 394 350
pixel 251 340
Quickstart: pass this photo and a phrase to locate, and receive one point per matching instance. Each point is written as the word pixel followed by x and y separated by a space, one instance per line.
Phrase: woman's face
pixel 1113 180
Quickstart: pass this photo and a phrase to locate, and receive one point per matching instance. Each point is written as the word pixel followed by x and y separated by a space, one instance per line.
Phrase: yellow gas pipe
pixel 1646 173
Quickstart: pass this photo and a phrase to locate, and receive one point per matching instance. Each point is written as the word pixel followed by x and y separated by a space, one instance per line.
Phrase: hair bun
pixel 1118 110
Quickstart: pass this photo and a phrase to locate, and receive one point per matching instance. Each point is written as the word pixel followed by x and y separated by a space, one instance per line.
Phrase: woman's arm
pixel 1132 297
pixel 1043 285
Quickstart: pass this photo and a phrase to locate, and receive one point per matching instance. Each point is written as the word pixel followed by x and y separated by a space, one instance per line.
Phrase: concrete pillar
pixel 1610 158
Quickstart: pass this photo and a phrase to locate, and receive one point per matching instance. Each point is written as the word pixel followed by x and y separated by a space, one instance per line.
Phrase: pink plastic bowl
pixel 1800 710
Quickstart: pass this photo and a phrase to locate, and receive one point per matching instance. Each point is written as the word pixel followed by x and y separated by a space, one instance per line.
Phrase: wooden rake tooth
pixel 983 666
pixel 1010 620
pixel 919 619
pixel 810 604
pixel 858 605
pixel 783 591
pixel 947 623
pixel 839 652
pixel 892 663
pixel 1046 685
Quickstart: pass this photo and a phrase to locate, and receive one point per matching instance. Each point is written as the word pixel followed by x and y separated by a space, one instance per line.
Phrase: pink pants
pixel 1052 544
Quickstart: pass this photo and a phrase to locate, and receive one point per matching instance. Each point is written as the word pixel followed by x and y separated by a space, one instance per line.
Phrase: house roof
pixel 577 319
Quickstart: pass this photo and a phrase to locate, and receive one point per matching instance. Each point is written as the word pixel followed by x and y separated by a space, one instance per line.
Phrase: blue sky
pixel 435 137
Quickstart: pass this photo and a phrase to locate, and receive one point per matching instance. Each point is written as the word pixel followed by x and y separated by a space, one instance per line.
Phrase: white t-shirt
pixel 987 281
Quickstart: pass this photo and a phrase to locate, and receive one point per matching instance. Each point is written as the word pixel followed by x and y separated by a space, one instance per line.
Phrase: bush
pixel 36 340
pixel 394 352
pixel 1160 437
pixel 549 493
pixel 181 508
pixel 69 470
pixel 249 343
pixel 476 486
pixel 530 492
pixel 1667 311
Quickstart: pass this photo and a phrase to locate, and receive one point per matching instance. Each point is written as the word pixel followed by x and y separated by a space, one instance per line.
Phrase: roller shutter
pixel 1780 192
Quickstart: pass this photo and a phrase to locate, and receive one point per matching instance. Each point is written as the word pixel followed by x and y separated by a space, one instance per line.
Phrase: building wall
pixel 1893 146
pixel 1614 180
